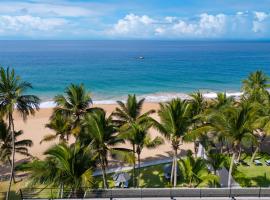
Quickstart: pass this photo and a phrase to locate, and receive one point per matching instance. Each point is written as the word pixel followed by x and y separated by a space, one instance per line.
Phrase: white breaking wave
pixel 155 98
pixel 52 104
pixel 47 104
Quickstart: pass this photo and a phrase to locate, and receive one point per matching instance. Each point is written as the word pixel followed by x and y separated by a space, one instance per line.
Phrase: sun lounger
pixel 267 162
pixel 257 162
pixel 244 163
pixel 126 184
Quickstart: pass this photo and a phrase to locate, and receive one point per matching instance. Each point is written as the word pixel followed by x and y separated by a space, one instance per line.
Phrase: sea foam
pixel 153 98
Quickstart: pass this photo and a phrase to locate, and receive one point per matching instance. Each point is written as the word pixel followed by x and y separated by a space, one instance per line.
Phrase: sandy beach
pixel 34 129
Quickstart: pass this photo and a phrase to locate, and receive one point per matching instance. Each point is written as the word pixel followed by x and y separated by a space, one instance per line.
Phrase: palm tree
pixel 198 103
pixel 235 124
pixel 62 127
pixel 222 101
pixel 74 105
pixel 217 160
pixel 101 134
pixel 138 135
pixel 175 122
pixel 13 97
pixel 130 111
pixel 195 172
pixel 255 86
pixel 198 107
pixel 262 123
pixel 21 146
pixel 127 114
pixel 71 166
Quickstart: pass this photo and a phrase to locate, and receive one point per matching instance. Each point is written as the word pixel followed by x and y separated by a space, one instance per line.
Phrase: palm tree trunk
pixel 195 149
pixel 61 190
pixel 11 125
pixel 257 149
pixel 175 168
pixel 103 168
pixel 230 170
pixel 254 154
pixel 13 177
pixel 172 170
pixel 221 146
pixel 190 183
pixel 139 169
pixel 134 166
pixel 239 154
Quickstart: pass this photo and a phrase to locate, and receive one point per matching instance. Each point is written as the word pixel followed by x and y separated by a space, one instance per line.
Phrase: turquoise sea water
pixel 112 69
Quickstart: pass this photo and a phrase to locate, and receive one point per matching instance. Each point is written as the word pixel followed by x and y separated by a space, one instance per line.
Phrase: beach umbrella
pixel 122 177
pixel 201 152
pixel 115 176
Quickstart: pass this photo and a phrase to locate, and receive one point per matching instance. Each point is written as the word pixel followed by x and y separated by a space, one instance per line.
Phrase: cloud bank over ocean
pixel 202 26
pixel 133 20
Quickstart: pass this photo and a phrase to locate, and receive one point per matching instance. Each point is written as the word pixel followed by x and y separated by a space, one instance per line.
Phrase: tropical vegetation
pixel 231 132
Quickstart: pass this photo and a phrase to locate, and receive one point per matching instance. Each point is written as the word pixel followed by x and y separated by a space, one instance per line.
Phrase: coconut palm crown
pixel 74 104
pixel 13 97
pixel 64 166
pixel 21 146
pixel 255 86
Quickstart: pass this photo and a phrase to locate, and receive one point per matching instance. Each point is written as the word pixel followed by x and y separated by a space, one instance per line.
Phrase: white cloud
pixel 144 26
pixel 206 26
pixel 261 22
pixel 28 24
pixel 212 24
pixel 133 24
pixel 170 19
pixel 242 24
pixel 260 16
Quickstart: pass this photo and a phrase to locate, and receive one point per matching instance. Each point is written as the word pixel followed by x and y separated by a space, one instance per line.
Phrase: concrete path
pixel 126 168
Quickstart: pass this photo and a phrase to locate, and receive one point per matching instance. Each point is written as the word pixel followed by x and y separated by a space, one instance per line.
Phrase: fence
pixel 53 193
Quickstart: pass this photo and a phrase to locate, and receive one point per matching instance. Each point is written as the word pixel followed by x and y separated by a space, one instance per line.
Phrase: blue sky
pixel 135 19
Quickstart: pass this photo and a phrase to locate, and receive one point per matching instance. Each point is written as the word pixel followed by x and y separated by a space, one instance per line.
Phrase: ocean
pixel 157 70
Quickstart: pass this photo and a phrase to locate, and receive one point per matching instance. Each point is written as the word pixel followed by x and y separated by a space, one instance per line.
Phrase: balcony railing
pixel 55 193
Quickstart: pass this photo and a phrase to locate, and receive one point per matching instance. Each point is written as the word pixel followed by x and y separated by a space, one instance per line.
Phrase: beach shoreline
pixel 150 98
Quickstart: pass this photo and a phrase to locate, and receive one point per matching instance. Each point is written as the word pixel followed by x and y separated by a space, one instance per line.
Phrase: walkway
pixel 126 168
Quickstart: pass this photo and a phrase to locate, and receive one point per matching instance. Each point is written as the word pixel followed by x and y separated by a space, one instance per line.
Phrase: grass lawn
pixel 152 176
pixel 253 176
